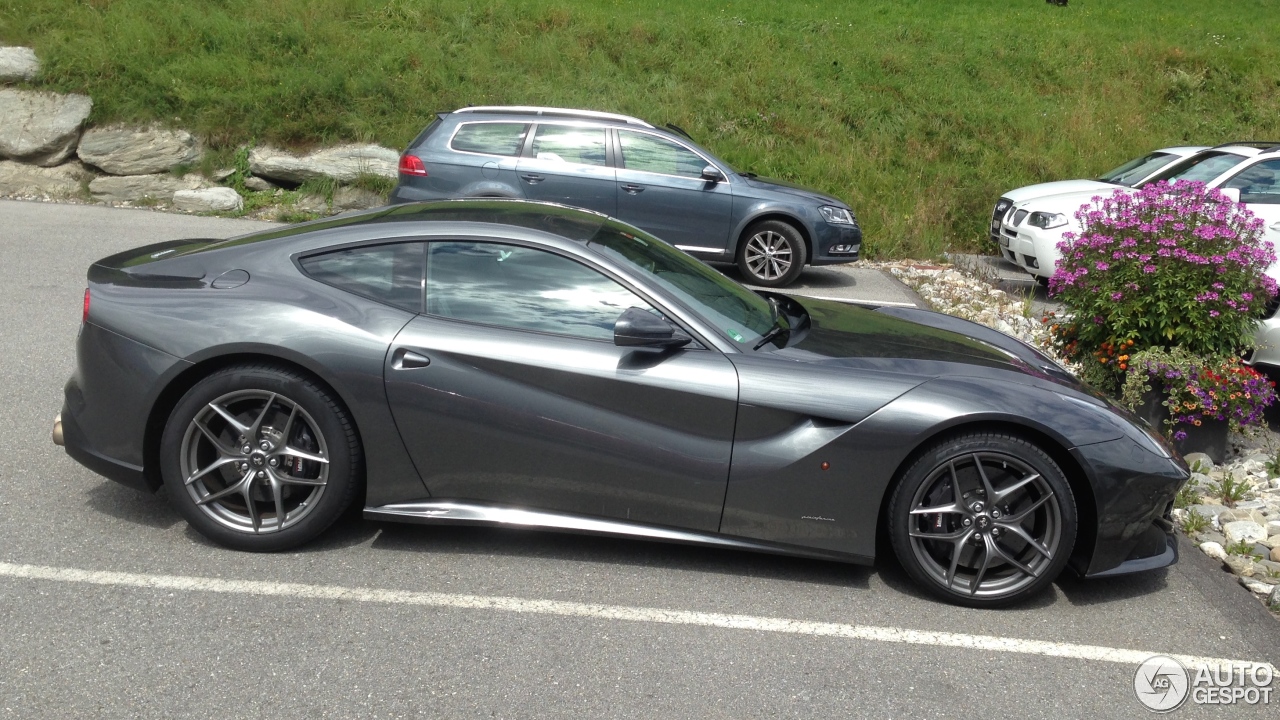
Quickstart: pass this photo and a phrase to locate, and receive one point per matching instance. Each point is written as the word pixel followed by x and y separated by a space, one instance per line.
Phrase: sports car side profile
pixel 517 363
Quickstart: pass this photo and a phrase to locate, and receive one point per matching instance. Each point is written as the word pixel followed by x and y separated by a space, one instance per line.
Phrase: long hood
pixel 913 341
pixel 1061 187
pixel 1068 203
pixel 786 188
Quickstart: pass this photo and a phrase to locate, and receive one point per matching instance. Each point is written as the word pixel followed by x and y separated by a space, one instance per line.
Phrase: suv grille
pixel 1002 207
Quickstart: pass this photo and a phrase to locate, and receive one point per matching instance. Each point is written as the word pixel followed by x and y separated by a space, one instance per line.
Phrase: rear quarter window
pixel 490 138
pixel 390 274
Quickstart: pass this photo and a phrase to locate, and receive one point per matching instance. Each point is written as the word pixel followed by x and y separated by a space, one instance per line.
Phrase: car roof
pixel 561 113
pixel 1183 150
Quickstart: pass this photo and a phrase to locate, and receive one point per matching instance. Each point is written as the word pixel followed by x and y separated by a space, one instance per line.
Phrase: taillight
pixel 412 165
pixel 85 318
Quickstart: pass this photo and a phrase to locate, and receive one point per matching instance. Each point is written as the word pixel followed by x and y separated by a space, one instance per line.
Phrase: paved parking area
pixel 111 607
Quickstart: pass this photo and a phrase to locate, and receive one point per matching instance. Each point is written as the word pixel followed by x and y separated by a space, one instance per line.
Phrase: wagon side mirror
pixel 1232 194
pixel 636 327
pixel 711 173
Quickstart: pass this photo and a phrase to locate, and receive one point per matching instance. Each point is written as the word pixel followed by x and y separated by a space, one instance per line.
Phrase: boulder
pixel 344 163
pixel 132 188
pixel 312 204
pixel 350 198
pixel 1273 527
pixel 214 199
pixel 1257 586
pixel 18 64
pixel 1244 531
pixel 137 151
pixel 1241 566
pixel 1214 550
pixel 1275 554
pixel 59 181
pixel 40 128
pixel 253 182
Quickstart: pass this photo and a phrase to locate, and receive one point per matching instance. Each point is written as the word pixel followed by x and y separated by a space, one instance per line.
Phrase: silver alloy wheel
pixel 254 461
pixel 768 255
pixel 985 524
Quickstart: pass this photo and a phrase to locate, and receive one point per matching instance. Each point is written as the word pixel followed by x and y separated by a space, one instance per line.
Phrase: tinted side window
pixel 565 143
pixel 1203 166
pixel 490 138
pixel 658 155
pixel 388 273
pixel 518 287
pixel 1258 184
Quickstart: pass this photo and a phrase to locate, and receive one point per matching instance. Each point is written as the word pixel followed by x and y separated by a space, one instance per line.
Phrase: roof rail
pixel 560 112
pixel 1259 144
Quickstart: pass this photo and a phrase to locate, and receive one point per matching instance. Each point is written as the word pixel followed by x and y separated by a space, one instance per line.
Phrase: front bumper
pixel 827 236
pixel 1133 490
pixel 1030 248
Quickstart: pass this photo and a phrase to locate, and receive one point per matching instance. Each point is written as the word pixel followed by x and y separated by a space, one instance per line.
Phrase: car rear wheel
pixel 983 520
pixel 772 254
pixel 260 458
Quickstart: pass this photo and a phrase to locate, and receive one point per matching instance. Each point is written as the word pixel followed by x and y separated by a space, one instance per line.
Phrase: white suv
pixel 1030 230
pixel 1129 174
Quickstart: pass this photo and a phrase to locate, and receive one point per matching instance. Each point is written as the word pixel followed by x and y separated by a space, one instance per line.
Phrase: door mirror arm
pixel 711 173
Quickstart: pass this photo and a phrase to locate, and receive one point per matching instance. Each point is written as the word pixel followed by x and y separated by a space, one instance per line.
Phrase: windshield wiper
pixel 779 328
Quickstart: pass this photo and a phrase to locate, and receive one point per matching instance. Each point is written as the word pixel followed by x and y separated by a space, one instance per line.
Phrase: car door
pixel 509 389
pixel 569 164
pixel 661 190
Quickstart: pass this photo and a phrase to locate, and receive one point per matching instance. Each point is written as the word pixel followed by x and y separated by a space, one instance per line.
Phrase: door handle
pixel 633 189
pixel 408 360
pixel 531 178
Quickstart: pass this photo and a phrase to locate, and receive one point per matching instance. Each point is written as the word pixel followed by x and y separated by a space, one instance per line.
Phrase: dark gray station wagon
pixel 653 178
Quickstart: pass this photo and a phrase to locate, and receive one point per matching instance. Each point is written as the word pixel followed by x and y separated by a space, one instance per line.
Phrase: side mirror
pixel 711 173
pixel 640 328
pixel 1232 194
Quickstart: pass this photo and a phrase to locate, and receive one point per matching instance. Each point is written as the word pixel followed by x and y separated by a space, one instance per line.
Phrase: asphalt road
pixel 471 630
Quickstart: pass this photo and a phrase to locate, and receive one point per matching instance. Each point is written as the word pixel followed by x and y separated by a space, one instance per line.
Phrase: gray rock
pixel 1214 550
pixel 137 151
pixel 1238 515
pixel 222 174
pixel 312 204
pixel 1257 586
pixel 1241 566
pixel 349 198
pixel 1200 480
pixel 1272 542
pixel 132 188
pixel 253 182
pixel 1273 600
pixel 59 181
pixel 1244 530
pixel 1250 505
pixel 1208 511
pixel 1196 461
pixel 344 163
pixel 1274 555
pixel 1271 566
pixel 1273 527
pixel 215 199
pixel 18 64
pixel 1212 536
pixel 40 128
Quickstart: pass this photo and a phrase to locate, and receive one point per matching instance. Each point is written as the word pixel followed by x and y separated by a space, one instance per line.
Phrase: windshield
pixel 1203 167
pixel 1133 171
pixel 739 313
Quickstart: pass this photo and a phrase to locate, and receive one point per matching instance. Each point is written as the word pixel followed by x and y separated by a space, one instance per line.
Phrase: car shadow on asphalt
pixel 135 507
pixel 536 544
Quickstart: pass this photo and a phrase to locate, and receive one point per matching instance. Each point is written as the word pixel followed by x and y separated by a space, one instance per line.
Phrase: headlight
pixel 835 215
pixel 1145 437
pixel 1046 221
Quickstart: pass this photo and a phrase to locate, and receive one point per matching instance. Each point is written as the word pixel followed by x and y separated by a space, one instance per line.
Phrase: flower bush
pixel 1198 388
pixel 1167 266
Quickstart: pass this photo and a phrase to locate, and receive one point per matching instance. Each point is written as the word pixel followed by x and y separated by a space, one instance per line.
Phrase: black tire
pixel 763 269
pixel 944 551
pixel 292 413
pixel 1041 280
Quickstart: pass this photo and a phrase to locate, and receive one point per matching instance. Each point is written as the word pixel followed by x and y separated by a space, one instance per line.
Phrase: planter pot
pixel 1210 438
pixel 1151 407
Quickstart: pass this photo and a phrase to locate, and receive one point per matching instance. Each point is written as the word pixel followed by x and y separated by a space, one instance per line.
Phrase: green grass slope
pixel 919 113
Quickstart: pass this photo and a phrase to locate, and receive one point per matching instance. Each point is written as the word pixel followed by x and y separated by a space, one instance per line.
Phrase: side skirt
pixel 462 512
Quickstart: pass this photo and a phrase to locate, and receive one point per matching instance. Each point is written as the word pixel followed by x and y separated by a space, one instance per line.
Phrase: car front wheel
pixel 984 520
pixel 260 458
pixel 772 254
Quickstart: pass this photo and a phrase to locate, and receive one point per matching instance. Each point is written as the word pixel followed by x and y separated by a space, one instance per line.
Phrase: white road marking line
pixel 608 612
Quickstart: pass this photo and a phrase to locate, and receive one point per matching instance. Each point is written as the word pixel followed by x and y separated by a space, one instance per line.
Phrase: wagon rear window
pixel 490 138
pixel 387 273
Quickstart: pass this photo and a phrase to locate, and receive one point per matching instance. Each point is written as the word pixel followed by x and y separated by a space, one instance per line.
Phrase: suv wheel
pixel 772 254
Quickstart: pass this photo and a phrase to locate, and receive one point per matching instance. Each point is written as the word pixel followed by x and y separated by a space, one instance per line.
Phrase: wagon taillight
pixel 85 317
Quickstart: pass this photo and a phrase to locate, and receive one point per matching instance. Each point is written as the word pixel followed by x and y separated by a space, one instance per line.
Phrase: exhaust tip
pixel 57 430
